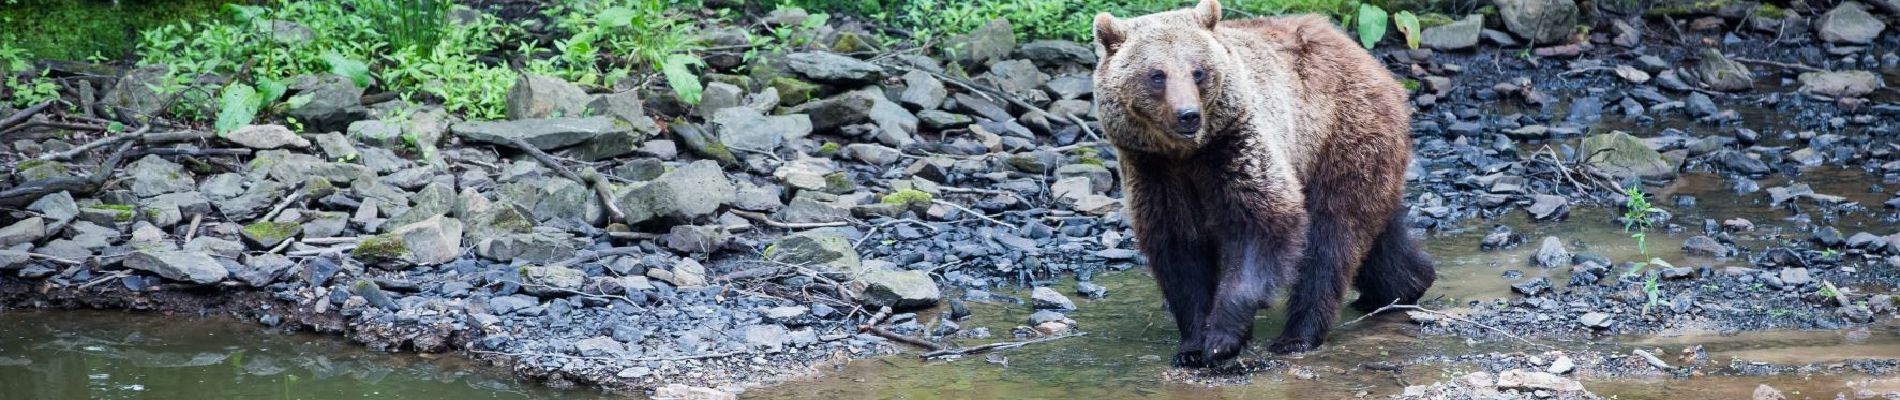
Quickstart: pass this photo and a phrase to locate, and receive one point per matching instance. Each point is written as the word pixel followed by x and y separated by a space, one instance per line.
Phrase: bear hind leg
pixel 1396 271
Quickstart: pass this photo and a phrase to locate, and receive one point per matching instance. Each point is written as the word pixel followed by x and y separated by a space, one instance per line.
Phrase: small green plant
pixel 1636 211
pixel 1653 290
pixel 1826 292
pixel 32 90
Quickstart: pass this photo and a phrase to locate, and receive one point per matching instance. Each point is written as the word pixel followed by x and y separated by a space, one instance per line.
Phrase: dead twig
pixel 762 218
pixel 55 259
pixel 292 199
pixel 31 191
pixel 1797 67
pixel 638 359
pixel 104 279
pixel 322 251
pixel 973 212
pixel 959 352
pixel 192 230
pixel 1396 306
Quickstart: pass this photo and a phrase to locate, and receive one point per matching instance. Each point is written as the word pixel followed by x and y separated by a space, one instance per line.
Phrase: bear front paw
pixel 1293 345
pixel 1221 346
pixel 1189 359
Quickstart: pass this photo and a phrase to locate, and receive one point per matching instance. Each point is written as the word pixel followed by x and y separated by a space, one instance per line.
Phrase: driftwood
pixel 959 352
pixel 32 191
pixel 24 114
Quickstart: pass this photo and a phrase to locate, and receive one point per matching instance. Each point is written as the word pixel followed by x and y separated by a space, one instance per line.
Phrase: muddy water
pixel 117 355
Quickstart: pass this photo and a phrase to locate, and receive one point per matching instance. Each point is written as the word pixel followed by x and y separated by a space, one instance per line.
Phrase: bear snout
pixel 1187 121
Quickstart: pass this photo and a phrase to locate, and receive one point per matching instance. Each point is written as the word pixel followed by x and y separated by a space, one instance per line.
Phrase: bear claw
pixel 1189 359
pixel 1292 345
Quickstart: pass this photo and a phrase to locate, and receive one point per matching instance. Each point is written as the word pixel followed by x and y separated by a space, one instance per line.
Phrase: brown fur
pixel 1294 170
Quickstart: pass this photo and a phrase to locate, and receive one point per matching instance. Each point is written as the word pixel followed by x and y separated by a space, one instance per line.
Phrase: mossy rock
pixel 269 234
pixel 792 92
pixel 839 183
pixel 913 198
pixel 381 247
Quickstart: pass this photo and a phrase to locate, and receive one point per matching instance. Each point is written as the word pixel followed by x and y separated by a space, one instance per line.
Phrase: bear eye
pixel 1158 78
pixel 1200 76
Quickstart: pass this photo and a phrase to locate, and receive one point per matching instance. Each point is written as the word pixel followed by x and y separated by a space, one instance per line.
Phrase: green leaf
pixel 243 12
pixel 1372 20
pixel 356 70
pixel 614 17
pixel 115 127
pixel 816 20
pixel 268 91
pixel 237 107
pixel 679 74
pixel 1408 25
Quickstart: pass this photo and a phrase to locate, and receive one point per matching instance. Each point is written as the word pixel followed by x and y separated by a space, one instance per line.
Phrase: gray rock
pixel 1596 320
pixel 267 234
pixel 1015 76
pixel 922 91
pixel 1795 277
pixel 1050 299
pixel 1071 87
pixel 691 192
pixel 25 231
pixel 1620 154
pixel 899 289
pixel 599 346
pixel 941 120
pixel 335 146
pixel 992 41
pixel 770 338
pixel 1563 365
pixel 833 68
pixel 872 154
pixel 718 96
pixel 826 251
pixel 544 134
pixel 1840 83
pixel 1704 246
pixel 703 239
pixel 1458 35
pixel 1849 23
pixel 806 173
pixel 1552 254
pixel 757 198
pixel 562 198
pixel 503 305
pixel 137 91
pixel 1057 52
pixel 266 137
pixel 551 281
pixel 376 132
pixel 807 210
pixel 537 247
pixel 535 96
pixel 432 241
pixel 1539 21
pixel 329 98
pixel 1717 72
pixel 1100 179
pixel 179 266
pixel 1547 207
pixel 687 273
pixel 153 175
pixel 13 259
pixel 624 106
pixel 749 129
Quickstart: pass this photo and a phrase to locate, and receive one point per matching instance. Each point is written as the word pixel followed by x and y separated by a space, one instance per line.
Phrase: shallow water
pixel 119 355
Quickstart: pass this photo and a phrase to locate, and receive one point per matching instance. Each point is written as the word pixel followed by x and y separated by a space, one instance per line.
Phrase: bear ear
pixel 1209 13
pixel 1108 34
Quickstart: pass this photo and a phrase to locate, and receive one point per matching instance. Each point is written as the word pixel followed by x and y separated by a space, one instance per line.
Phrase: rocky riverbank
pixel 628 240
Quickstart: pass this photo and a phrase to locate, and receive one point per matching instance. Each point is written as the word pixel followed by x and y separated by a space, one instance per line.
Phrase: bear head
pixel 1160 77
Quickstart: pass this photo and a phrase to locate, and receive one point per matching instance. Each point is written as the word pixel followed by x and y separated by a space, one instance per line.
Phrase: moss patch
pixel 120 212
pixel 271 233
pixel 908 197
pixel 839 182
pixel 384 246
pixel 77 29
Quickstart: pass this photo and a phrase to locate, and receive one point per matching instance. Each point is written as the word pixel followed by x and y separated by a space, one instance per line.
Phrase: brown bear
pixel 1253 153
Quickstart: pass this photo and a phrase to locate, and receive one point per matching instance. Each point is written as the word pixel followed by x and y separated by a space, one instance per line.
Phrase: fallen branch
pixel 1060 149
pixel 601 189
pixel 873 232
pixel 136 136
pixel 31 191
pixel 762 218
pixel 192 230
pixel 22 115
pixel 104 279
pixel 973 212
pixel 322 251
pixel 1396 306
pixel 959 352
pixel 294 197
pixel 952 189
pixel 56 259
pixel 893 336
pixel 639 359
pixel 591 255
pixel 1797 67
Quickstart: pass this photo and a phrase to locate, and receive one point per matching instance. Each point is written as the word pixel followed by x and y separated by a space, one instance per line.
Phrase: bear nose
pixel 1187 121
